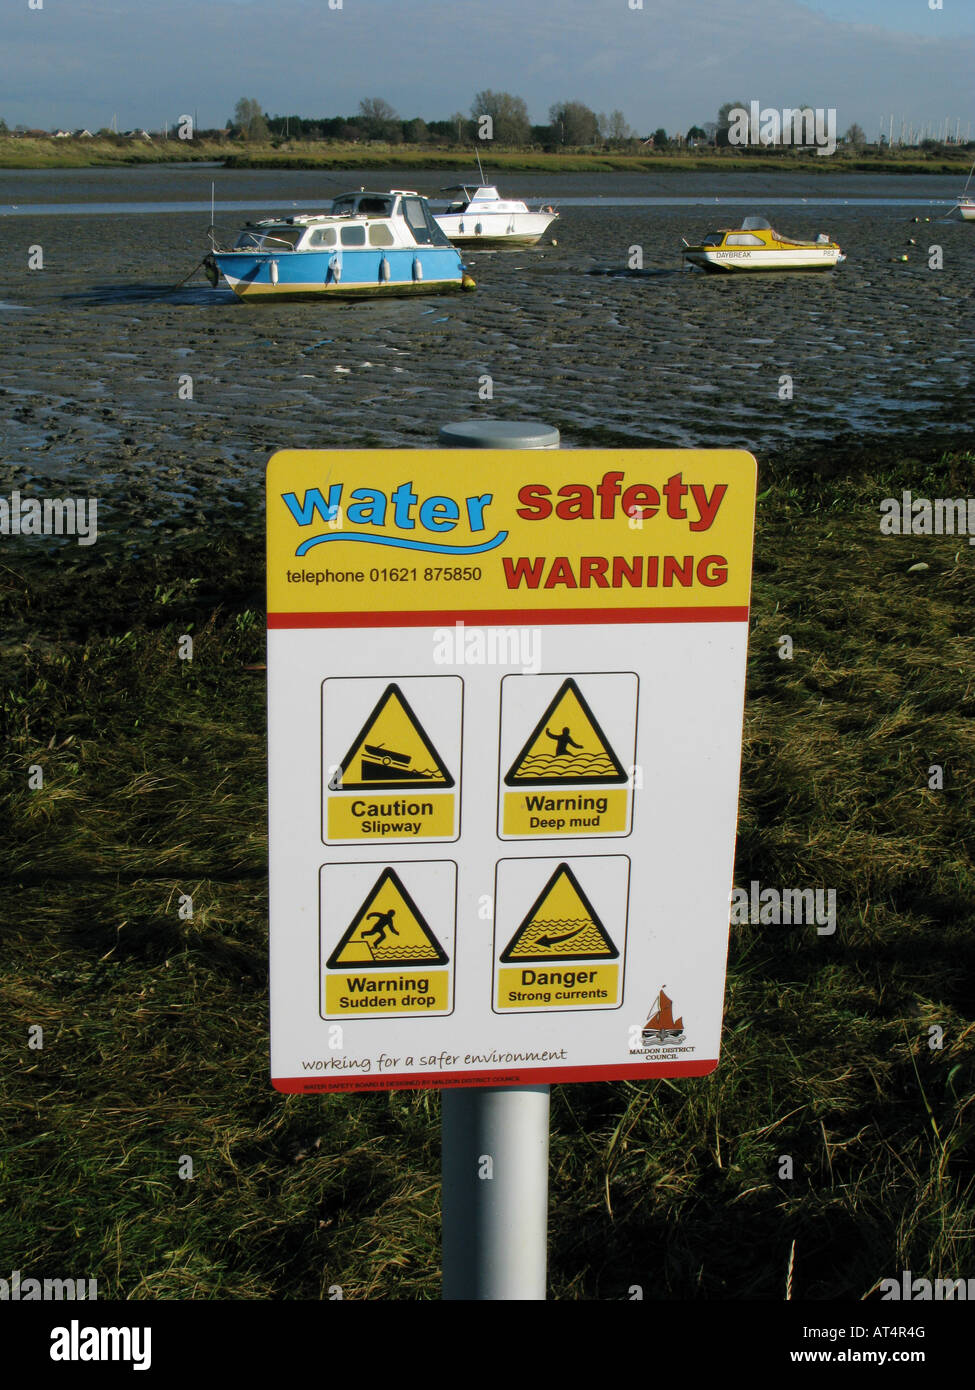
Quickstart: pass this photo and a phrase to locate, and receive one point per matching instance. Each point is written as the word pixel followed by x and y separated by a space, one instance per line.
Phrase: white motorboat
pixel 966 200
pixel 480 215
pixel 755 245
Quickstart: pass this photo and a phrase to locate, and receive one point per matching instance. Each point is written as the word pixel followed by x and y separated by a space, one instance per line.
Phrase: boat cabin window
pixel 714 239
pixel 365 204
pixel 354 235
pixel 322 236
pixel 420 221
pixel 380 235
pixel 743 239
pixel 274 239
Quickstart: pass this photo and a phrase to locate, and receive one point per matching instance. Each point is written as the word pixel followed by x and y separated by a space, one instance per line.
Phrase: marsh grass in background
pixel 38 153
pixel 155 1026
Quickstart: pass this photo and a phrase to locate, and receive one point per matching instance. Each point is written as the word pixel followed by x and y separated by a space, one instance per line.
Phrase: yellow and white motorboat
pixel 755 245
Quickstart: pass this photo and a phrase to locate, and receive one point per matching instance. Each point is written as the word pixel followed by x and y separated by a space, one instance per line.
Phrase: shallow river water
pixel 97 346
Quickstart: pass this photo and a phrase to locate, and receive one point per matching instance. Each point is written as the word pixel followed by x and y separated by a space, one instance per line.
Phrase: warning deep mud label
pixel 569 776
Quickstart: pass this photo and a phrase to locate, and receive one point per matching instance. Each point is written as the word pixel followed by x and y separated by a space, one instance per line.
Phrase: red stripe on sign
pixel 491 617
pixel 646 1071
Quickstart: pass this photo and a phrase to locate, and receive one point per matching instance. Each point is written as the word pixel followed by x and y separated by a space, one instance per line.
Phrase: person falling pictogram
pixel 384 923
pixel 562 741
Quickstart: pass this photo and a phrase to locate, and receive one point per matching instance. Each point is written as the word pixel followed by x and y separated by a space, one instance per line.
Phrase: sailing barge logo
pixel 661 1027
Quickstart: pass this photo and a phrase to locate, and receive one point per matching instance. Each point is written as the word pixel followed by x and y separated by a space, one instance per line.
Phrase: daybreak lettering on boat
pixel 403 510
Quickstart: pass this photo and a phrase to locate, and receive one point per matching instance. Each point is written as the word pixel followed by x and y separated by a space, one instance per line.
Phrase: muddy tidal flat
pixel 100 352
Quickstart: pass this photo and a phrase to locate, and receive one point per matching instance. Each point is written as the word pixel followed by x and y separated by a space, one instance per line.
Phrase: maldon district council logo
pixel 661 1027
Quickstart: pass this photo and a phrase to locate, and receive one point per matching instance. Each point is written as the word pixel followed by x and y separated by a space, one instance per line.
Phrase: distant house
pixel 138 135
pixel 83 135
pixel 62 135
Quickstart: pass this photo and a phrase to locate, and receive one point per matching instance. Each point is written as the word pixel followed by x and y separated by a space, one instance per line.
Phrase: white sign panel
pixel 505 721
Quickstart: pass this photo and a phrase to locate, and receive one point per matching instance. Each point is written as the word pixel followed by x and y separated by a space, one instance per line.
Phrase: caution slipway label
pixel 505 696
pixel 392 779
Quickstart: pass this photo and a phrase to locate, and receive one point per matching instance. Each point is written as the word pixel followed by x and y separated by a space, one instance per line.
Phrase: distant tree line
pixel 571 124
pixel 503 119
pixel 495 117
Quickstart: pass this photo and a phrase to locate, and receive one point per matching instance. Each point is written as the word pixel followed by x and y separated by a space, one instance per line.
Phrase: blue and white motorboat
pixel 367 244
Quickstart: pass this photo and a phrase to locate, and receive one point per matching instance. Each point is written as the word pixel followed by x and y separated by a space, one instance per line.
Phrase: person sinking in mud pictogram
pixel 562 741
pixel 384 923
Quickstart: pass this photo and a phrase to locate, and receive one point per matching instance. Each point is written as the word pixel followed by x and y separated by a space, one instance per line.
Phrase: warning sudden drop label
pixel 389 959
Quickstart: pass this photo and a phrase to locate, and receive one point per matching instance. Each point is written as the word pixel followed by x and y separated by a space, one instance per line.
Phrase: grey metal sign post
pixel 494 1140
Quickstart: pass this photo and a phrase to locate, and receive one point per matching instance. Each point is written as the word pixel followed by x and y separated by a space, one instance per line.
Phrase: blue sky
pixel 671 63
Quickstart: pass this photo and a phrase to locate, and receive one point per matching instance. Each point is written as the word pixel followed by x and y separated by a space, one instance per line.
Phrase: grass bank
pixel 29 153
pixel 35 153
pixel 155 1042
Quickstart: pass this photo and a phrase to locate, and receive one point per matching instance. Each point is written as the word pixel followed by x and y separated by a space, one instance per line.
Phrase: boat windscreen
pixel 755 224
pixel 420 221
pixel 272 239
pixel 364 204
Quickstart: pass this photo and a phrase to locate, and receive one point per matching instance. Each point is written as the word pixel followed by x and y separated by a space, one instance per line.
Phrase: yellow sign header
pixel 372 534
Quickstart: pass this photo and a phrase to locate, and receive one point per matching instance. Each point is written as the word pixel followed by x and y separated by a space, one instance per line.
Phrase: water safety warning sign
pixel 505 695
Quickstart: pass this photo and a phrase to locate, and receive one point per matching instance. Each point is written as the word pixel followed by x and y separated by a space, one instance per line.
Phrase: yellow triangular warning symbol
pixel 561 924
pixel 566 745
pixel 391 752
pixel 389 929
